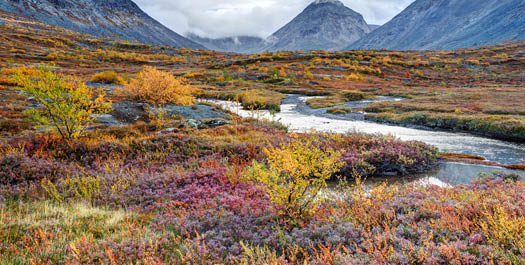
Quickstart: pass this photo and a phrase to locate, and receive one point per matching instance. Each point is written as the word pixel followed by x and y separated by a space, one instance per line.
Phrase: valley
pixel 115 151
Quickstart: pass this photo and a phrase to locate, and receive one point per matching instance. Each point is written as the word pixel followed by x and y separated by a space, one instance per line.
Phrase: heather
pixel 120 166
pixel 204 216
pixel 184 197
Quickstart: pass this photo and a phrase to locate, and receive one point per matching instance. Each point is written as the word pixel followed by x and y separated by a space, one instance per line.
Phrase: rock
pixel 215 123
pixel 191 123
pixel 196 112
pixel 107 119
pixel 130 112
pixel 107 87
pixel 197 116
pixel 167 131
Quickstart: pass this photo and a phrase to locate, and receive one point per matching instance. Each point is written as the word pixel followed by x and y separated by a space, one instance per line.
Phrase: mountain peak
pixel 448 25
pixel 323 25
pixel 335 2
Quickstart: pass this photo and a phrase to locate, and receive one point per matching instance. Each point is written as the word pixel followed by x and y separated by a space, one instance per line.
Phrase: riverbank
pixel 298 116
pixel 123 174
pixel 496 127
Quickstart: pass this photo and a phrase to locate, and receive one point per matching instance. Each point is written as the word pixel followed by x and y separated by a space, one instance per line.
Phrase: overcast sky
pixel 224 18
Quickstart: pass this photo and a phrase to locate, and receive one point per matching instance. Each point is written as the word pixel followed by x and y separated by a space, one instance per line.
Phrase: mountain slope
pixel 240 44
pixel 449 24
pixel 373 27
pixel 121 19
pixel 324 24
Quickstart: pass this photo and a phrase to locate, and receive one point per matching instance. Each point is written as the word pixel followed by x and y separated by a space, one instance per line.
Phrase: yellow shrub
pixel 193 75
pixel 354 77
pixel 7 81
pixel 66 103
pixel 32 72
pixel 84 188
pixel 108 78
pixel 294 175
pixel 308 75
pixel 503 229
pixel 154 86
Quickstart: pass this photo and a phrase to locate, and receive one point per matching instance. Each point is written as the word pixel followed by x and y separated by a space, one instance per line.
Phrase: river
pixel 298 116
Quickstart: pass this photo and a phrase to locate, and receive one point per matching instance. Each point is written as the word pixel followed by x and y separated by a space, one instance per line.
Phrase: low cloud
pixel 212 18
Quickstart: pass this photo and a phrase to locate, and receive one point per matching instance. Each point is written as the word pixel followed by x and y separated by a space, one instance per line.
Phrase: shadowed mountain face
pixel 373 27
pixel 121 19
pixel 240 44
pixel 449 24
pixel 324 24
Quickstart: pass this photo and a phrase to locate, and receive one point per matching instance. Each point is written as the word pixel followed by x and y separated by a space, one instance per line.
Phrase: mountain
pixel 373 27
pixel 121 19
pixel 449 24
pixel 323 25
pixel 240 44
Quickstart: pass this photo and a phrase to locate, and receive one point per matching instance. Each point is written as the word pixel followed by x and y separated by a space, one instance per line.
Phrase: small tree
pixel 295 173
pixel 66 103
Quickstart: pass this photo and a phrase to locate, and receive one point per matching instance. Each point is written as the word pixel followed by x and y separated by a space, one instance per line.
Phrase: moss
pixel 454 155
pixel 339 111
pixel 352 95
pixel 325 102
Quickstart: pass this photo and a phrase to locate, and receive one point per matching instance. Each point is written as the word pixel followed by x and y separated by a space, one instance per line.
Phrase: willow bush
pixel 294 174
pixel 64 102
pixel 158 87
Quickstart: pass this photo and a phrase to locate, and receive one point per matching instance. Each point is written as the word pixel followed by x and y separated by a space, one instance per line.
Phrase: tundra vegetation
pixel 75 190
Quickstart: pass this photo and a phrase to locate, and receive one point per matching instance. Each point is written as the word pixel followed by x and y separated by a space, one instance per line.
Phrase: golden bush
pixel 32 72
pixel 294 175
pixel 108 78
pixel 354 77
pixel 155 86
pixel 66 103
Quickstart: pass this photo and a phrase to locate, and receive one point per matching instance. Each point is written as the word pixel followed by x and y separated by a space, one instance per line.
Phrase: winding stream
pixel 300 117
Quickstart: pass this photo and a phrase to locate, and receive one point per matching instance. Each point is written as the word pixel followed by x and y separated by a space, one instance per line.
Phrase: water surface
pixel 298 116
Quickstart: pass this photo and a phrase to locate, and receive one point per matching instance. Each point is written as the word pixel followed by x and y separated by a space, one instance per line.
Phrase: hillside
pixel 449 24
pixel 121 19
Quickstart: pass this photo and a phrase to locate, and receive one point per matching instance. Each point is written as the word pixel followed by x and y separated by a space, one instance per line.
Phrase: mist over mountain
pixel 121 19
pixel 239 44
pixel 449 24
